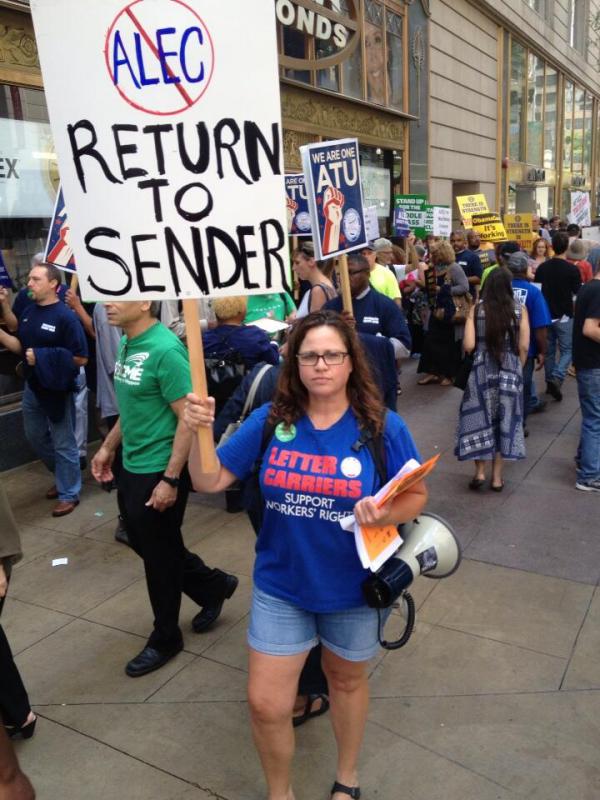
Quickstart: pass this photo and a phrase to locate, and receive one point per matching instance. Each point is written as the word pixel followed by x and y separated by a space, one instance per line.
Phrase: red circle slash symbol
pixel 160 56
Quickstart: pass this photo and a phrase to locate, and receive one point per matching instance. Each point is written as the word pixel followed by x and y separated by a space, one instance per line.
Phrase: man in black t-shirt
pixel 560 283
pixel 586 358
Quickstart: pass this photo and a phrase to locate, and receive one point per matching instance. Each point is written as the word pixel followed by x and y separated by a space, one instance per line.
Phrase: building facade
pixel 515 103
pixel 347 70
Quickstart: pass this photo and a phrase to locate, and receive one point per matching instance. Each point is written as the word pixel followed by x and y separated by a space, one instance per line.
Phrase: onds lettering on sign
pixel 170 150
pixel 308 21
pixel 335 24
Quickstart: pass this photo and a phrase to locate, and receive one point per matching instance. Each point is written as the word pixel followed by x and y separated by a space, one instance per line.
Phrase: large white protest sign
pixel 442 221
pixel 592 233
pixel 166 120
pixel 580 209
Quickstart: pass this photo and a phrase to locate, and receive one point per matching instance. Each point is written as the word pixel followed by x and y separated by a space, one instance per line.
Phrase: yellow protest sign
pixel 519 227
pixel 470 204
pixel 489 227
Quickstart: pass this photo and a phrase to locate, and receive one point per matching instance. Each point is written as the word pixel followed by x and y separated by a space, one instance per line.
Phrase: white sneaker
pixel 589 486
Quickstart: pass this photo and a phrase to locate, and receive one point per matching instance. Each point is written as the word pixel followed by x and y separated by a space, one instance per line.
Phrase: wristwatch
pixel 174 482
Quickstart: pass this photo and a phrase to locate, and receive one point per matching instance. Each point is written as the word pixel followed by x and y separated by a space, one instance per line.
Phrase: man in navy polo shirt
pixel 376 316
pixel 467 259
pixel 539 320
pixel 373 312
pixel 52 342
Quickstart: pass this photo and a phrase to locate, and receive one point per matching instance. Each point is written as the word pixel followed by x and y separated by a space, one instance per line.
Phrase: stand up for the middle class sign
pixel 167 128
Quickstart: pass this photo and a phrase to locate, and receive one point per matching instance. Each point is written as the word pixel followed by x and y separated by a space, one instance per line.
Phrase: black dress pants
pixel 14 702
pixel 170 568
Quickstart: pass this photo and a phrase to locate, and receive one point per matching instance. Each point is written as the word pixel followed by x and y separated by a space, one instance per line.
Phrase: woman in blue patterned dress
pixel 490 424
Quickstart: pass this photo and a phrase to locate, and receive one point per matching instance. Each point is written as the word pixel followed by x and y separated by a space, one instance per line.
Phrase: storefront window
pixel 568 125
pixel 28 178
pixel 28 184
pixel 375 52
pixel 381 177
pixel 550 118
pixel 587 135
pixel 578 126
pixel 296 45
pixel 518 111
pixel 535 109
pixel 395 29
pixel 371 69
pixel 352 75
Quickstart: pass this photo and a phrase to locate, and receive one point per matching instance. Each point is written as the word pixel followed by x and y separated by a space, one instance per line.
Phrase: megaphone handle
pixel 410 624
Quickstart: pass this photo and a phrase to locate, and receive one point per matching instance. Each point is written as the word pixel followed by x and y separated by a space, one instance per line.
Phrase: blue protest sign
pixel 58 248
pixel 297 206
pixel 5 279
pixel 401 224
pixel 332 173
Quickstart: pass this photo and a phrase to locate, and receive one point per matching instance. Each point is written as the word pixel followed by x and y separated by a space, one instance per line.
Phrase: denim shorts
pixel 278 628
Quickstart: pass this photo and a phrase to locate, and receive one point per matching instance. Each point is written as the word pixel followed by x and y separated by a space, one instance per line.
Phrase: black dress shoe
pixel 553 389
pixel 540 408
pixel 209 614
pixel 121 534
pixel 149 660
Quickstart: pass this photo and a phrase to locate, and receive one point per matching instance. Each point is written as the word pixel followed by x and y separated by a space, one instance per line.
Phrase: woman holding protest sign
pixel 315 470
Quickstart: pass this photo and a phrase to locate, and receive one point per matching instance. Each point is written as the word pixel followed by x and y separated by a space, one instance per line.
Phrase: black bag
pixel 462 376
pixel 224 373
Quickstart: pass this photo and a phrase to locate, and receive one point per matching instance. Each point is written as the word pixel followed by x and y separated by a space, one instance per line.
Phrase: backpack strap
pixel 376 447
pixel 249 402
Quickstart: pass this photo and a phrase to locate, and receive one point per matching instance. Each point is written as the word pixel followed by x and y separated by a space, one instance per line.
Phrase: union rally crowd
pixel 298 387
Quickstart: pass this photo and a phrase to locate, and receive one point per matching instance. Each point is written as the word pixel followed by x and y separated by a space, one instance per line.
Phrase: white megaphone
pixel 430 548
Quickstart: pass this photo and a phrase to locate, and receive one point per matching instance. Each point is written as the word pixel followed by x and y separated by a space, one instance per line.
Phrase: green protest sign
pixel 415 206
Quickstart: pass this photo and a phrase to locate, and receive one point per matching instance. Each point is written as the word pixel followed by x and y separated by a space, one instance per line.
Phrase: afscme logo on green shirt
pixel 131 371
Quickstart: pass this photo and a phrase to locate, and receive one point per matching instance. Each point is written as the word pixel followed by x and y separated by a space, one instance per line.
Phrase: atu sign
pixel 336 22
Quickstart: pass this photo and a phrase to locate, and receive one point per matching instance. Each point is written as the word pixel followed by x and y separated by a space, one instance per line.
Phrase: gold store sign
pixel 333 22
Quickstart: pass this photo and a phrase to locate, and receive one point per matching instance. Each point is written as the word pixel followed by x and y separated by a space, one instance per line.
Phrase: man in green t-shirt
pixel 152 379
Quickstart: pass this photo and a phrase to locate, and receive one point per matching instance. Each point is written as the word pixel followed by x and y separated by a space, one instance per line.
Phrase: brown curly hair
pixel 291 396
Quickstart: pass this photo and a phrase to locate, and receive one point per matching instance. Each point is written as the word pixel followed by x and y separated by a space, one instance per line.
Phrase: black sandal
pixel 308 712
pixel 353 792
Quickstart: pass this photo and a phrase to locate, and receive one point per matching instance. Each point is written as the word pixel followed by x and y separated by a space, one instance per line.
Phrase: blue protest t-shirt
pixel 310 479
pixel 470 262
pixel 51 326
pixel 537 309
pixel 22 300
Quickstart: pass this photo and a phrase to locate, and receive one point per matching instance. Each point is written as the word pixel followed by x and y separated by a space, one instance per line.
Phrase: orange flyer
pixel 377 539
pixel 402 482
pixel 375 544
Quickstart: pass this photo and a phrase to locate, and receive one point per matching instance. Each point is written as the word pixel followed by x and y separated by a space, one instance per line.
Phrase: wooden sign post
pixel 345 283
pixel 194 342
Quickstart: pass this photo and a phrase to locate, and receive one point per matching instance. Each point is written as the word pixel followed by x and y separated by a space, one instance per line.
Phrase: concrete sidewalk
pixel 495 697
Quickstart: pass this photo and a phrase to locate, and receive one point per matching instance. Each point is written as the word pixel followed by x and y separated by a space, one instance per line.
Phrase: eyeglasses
pixel 332 358
pixel 352 272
